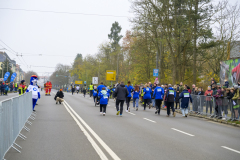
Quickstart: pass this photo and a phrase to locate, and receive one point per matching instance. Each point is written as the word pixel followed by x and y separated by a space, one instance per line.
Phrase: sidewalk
pixel 54 135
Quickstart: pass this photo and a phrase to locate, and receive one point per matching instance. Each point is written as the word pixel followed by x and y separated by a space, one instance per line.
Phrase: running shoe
pixel 104 114
pixel 136 109
pixel 100 113
pixel 174 114
pixel 126 110
pixel 118 112
pixel 120 115
pixel 185 115
pixel 156 112
pixel 129 109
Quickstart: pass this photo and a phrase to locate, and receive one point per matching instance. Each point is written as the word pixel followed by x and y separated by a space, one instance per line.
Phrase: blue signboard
pixel 155 72
pixel 7 74
pixel 13 77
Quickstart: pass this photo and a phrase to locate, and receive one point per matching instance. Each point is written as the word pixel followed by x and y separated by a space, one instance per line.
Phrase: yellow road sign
pixel 78 82
pixel 111 75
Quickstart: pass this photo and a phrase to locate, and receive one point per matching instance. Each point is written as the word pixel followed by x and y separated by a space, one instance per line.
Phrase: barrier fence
pixel 14 114
pixel 220 107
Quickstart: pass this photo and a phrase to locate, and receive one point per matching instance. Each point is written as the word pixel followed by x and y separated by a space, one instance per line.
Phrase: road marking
pixel 95 146
pixel 182 132
pixel 149 120
pixel 104 145
pixel 131 113
pixel 231 149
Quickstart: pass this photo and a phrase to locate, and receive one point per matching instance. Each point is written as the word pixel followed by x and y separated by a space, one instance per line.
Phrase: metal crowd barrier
pixel 214 107
pixel 14 114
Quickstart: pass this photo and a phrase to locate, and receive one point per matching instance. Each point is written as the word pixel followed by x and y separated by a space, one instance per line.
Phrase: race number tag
pixel 159 90
pixel 105 96
pixel 186 94
pixel 171 92
pixel 147 89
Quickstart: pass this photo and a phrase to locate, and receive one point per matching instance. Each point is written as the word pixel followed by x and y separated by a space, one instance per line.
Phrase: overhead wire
pixel 61 12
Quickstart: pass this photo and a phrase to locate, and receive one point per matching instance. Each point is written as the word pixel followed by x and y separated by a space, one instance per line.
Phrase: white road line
pixel 149 120
pixel 231 149
pixel 104 145
pixel 131 113
pixel 95 146
pixel 182 132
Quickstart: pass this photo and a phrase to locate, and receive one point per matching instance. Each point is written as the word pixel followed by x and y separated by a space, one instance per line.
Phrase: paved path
pixel 76 130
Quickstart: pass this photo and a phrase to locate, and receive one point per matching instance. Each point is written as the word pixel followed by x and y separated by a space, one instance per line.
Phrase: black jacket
pixel 121 92
pixel 59 94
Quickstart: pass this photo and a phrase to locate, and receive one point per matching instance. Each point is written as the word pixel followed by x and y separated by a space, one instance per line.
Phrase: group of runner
pixel 144 93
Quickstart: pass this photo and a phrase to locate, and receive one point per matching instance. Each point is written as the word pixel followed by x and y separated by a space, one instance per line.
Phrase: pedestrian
pixel 136 93
pixel 77 88
pixel 165 94
pixel 103 96
pixel 153 99
pixel 185 96
pixel 218 106
pixel 147 96
pixel 59 96
pixel 209 102
pixel 91 89
pixel 121 93
pixel 84 90
pixel 170 96
pixel 158 95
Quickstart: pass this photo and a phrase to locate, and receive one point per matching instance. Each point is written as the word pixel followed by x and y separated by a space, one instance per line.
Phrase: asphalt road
pixel 76 130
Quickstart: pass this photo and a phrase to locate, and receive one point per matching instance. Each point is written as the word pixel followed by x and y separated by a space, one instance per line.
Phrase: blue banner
pixel 14 75
pixel 7 74
pixel 155 72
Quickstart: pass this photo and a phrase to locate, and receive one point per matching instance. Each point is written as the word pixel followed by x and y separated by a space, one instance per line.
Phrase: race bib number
pixel 105 96
pixel 186 94
pixel 159 90
pixel 147 89
pixel 171 92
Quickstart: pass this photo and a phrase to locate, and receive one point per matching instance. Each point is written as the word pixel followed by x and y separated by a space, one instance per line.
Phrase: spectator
pixel 226 84
pixel 193 89
pixel 235 101
pixel 189 90
pixel 150 85
pixel 6 88
pixel 213 82
pixel 225 92
pixel 59 97
pixel 2 88
pixel 209 94
pixel 181 88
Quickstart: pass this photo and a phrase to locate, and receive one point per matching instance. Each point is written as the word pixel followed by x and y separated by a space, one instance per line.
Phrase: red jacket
pixel 208 95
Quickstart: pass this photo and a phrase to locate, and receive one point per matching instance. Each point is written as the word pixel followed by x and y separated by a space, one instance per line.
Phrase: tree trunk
pixel 195 44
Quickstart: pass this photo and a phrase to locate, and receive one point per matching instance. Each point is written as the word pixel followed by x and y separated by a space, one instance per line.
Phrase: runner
pixel 158 95
pixel 136 93
pixel 84 90
pixel 170 96
pixel 185 95
pixel 147 96
pixel 103 95
pixel 128 99
pixel 91 89
pixel 121 93
pixel 77 88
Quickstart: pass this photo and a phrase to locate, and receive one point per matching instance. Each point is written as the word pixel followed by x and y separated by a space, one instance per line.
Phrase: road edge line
pixel 90 139
pixel 104 145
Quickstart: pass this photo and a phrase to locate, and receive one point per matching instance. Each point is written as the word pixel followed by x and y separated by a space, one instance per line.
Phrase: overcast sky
pixel 33 33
